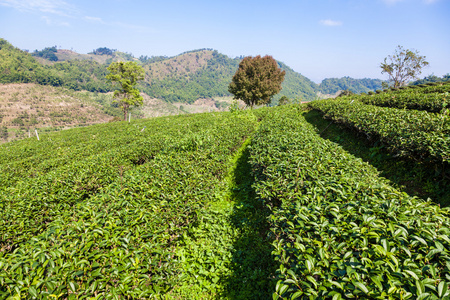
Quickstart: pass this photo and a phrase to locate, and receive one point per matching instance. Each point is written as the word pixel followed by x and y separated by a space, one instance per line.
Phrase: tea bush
pixel 412 133
pixel 340 230
pixel 97 212
pixel 432 102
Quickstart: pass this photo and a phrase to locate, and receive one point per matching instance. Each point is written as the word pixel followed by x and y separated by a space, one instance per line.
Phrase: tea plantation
pixel 243 205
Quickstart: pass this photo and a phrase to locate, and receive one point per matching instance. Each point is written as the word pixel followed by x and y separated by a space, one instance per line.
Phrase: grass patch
pixel 227 254
pixel 252 264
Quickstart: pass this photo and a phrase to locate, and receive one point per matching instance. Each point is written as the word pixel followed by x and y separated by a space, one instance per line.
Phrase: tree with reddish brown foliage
pixel 257 80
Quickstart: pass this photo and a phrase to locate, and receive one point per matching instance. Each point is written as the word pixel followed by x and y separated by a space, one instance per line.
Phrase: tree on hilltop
pixel 403 65
pixel 103 51
pixel 47 53
pixel 127 74
pixel 257 80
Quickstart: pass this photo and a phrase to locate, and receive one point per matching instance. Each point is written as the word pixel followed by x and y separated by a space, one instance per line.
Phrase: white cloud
pixel 94 19
pixel 61 8
pixel 331 23
pixel 57 7
pixel 52 22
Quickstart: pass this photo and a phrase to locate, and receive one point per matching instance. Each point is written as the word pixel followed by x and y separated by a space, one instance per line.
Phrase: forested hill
pixel 189 76
pixel 184 78
pixel 296 85
pixel 357 86
pixel 17 66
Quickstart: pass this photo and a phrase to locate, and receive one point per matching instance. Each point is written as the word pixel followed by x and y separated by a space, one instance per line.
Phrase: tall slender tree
pixel 127 74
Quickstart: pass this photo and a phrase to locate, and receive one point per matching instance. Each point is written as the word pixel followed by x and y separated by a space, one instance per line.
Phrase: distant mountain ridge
pixel 184 78
pixel 357 86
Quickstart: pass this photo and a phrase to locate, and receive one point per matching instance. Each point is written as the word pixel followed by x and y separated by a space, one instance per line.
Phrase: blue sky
pixel 319 39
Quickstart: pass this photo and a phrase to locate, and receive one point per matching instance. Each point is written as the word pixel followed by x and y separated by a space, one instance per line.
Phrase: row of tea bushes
pixel 339 230
pixel 412 133
pixel 436 87
pixel 106 226
pixel 409 99
pixel 30 158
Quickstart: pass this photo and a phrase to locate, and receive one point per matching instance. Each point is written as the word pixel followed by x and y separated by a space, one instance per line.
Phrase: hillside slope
pixel 357 86
pixel 296 86
pixel 189 76
pixel 17 66
pixel 406 132
pixel 184 78
pixel 263 207
pixel 26 106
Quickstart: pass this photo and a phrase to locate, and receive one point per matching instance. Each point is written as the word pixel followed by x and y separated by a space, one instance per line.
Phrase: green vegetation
pixel 283 101
pixel 295 86
pixel 243 205
pixel 126 74
pixel 410 99
pixel 409 133
pixel 404 65
pixel 340 230
pixel 47 53
pixel 431 79
pixel 190 76
pixel 104 51
pixel 423 179
pixel 256 80
pixel 81 75
pixel 357 86
pixel 322 201
pixel 107 207
pixel 4 133
pixel 203 73
pixel 411 146
pixel 17 66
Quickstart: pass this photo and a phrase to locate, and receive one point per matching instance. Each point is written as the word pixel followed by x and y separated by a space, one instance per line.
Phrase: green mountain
pixel 357 86
pixel 17 66
pixel 189 76
pixel 431 78
pixel 205 74
pixel 185 78
pixel 296 86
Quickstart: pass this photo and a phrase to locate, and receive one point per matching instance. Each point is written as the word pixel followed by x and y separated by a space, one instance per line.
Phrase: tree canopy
pixel 127 75
pixel 403 66
pixel 103 51
pixel 47 53
pixel 256 80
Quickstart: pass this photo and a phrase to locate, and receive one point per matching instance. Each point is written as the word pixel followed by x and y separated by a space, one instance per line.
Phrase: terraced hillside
pixel 244 205
pixel 407 132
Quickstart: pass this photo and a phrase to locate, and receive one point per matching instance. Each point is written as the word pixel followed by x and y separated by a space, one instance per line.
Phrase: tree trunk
pixel 125 110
